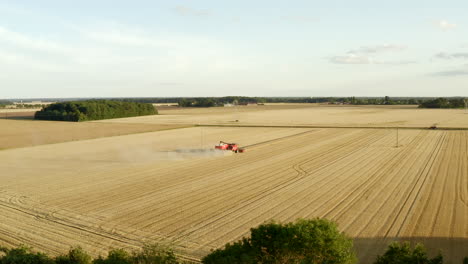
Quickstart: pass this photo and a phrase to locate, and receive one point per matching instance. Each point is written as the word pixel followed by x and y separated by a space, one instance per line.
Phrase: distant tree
pixel 403 254
pixel 443 103
pixel 93 110
pixel 387 100
pixel 304 241
pixel 185 103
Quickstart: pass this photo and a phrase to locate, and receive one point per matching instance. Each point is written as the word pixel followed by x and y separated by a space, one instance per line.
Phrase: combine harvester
pixel 229 146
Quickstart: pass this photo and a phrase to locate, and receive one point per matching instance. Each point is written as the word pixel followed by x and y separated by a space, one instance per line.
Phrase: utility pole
pixel 397 139
pixel 201 137
pixel 466 105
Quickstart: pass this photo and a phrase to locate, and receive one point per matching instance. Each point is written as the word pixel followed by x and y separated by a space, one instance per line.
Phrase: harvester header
pixel 229 146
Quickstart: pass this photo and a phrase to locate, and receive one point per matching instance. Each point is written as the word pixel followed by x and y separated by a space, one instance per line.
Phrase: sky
pixel 143 48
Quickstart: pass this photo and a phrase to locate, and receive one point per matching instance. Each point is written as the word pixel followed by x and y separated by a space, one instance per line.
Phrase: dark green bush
pixel 149 254
pixel 304 241
pixel 116 256
pixel 93 110
pixel 443 103
pixel 402 253
pixel 155 254
pixel 23 255
pixel 75 256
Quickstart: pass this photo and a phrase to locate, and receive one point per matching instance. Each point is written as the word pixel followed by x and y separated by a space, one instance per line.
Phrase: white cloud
pixel 378 49
pixel 110 51
pixel 401 62
pixel 450 73
pixel 365 55
pixel 351 58
pixel 19 60
pixel 449 56
pixel 23 41
pixel 445 25
pixel 188 11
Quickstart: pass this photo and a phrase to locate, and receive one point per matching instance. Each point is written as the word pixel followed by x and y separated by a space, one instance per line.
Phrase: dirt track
pixel 122 191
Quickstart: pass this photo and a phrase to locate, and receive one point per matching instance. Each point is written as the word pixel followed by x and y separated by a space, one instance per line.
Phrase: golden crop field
pixel 122 191
pixel 25 133
pixel 309 115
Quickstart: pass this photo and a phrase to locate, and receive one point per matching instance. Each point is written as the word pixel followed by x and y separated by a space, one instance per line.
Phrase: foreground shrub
pixel 304 241
pixel 116 256
pixel 93 110
pixel 403 254
pixel 23 255
pixel 149 254
pixel 155 254
pixel 75 256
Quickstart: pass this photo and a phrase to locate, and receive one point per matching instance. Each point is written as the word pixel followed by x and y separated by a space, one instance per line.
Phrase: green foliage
pixel 116 256
pixel 197 102
pixel 304 241
pixel 443 103
pixel 465 260
pixel 23 255
pixel 155 254
pixel 149 254
pixel 403 254
pixel 93 110
pixel 75 256
pixel 4 103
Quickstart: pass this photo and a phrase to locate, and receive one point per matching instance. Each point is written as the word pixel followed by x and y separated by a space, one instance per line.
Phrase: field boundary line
pixel 280 138
pixel 318 126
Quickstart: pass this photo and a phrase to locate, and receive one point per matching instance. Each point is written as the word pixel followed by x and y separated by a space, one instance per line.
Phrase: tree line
pixel 443 103
pixel 423 102
pixel 312 241
pixel 93 110
pixel 4 103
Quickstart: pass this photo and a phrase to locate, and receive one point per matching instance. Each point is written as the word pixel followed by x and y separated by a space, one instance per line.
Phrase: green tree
pixel 155 254
pixel 116 256
pixel 23 255
pixel 75 256
pixel 304 241
pixel 93 110
pixel 403 254
pixel 387 100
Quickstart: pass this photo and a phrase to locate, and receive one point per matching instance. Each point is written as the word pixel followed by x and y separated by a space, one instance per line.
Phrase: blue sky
pixel 217 48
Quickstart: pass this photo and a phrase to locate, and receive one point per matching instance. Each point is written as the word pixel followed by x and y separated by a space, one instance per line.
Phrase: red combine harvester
pixel 229 146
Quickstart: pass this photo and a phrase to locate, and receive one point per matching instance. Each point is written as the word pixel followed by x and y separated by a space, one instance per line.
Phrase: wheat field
pixel 170 186
pixel 309 115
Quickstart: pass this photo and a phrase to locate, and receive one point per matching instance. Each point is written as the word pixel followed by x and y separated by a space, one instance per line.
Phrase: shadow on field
pixel 453 249
pixel 29 115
